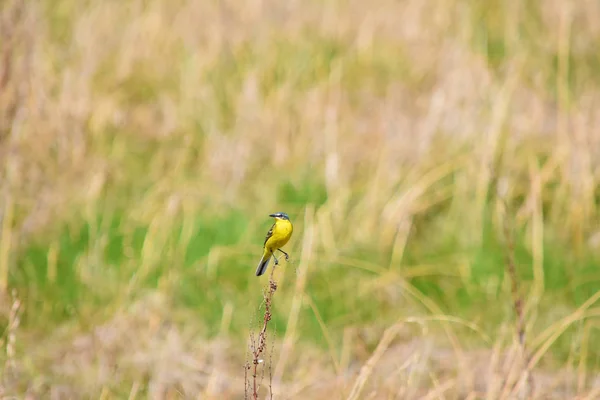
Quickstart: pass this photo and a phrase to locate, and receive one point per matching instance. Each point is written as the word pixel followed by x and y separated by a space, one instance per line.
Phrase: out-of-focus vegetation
pixel 144 143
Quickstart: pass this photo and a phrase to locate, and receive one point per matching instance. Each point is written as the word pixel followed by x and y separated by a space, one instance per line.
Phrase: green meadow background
pixel 143 145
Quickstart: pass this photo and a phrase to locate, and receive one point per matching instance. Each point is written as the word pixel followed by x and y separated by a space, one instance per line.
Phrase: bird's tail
pixel 264 261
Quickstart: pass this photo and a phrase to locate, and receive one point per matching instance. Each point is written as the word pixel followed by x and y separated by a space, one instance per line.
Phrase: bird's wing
pixel 269 234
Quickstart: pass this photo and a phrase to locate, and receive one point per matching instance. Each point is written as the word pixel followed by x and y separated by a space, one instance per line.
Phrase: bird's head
pixel 280 215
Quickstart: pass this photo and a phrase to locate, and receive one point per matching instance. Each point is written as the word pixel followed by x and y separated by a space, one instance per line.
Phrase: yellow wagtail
pixel 277 237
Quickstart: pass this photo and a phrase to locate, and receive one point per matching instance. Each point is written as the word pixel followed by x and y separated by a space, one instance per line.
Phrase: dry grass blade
pixel 14 321
pixel 365 372
pixel 326 334
pixel 6 233
pixel 438 392
pixel 545 339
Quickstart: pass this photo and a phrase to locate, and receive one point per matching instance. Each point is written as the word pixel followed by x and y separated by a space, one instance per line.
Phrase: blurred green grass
pixel 203 263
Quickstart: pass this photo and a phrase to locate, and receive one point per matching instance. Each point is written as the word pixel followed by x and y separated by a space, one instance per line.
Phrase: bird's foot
pixel 287 256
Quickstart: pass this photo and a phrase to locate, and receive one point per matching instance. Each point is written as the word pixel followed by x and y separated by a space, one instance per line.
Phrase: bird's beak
pixel 273 215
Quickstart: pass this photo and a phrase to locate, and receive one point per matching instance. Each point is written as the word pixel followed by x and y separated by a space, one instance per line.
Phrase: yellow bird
pixel 279 234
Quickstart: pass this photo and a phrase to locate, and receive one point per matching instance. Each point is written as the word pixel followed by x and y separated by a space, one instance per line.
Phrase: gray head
pixel 280 215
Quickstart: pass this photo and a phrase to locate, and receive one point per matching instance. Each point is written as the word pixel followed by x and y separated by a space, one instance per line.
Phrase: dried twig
pixel 258 348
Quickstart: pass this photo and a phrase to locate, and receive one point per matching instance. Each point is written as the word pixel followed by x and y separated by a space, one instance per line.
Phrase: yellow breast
pixel 281 234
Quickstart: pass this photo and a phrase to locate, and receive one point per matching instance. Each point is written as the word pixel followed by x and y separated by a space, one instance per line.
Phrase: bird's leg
pixel 276 260
pixel 287 256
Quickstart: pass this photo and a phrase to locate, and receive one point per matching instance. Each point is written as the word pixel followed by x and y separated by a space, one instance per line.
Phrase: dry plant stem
pixel 246 368
pixel 14 321
pixel 271 369
pixel 516 297
pixel 262 336
pixel 514 285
